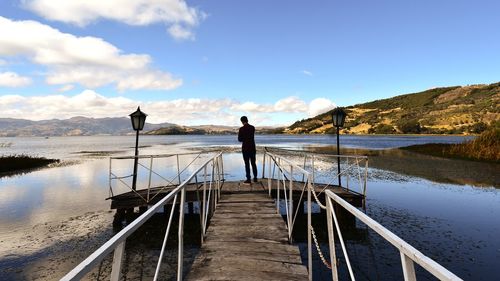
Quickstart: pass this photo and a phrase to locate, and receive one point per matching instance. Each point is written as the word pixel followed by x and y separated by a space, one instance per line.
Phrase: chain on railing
pixel 213 178
pixel 409 255
pixel 318 248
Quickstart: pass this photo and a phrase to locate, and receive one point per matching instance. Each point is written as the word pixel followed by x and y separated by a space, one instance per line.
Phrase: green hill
pixel 450 110
pixel 176 130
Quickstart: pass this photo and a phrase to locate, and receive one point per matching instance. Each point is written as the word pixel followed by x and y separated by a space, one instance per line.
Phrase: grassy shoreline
pixel 486 147
pixel 13 164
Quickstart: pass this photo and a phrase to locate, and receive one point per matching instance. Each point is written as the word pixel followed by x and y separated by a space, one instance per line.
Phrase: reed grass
pixel 486 147
pixel 14 163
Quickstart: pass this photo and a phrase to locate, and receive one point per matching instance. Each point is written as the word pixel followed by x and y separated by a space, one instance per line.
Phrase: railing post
pixel 347 172
pixel 278 190
pixel 313 173
pixel 221 160
pixel 202 208
pixel 408 268
pixel 309 232
pixel 178 170
pixel 204 200
pixel 366 177
pixel 213 193
pixel 331 239
pixel 360 182
pixel 110 173
pixel 150 172
pixel 167 232
pixel 180 254
pixel 116 270
pixel 217 180
pixel 303 175
pixel 290 206
pixel 222 164
pixel 269 175
pixel 263 164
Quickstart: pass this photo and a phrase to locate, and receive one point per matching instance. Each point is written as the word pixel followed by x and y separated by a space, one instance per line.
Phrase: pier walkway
pixel 246 230
pixel 247 240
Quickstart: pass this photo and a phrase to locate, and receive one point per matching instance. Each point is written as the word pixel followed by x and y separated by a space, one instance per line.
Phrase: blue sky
pixel 209 62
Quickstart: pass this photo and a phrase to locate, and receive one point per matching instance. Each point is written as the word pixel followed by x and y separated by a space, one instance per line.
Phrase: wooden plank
pixel 247 240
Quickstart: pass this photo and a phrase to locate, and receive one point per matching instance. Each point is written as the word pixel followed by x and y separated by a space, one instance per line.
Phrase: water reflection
pixel 437 169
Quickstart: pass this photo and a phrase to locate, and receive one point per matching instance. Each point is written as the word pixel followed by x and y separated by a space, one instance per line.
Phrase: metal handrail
pixel 168 182
pixel 409 255
pixel 349 164
pixel 286 172
pixel 153 155
pixel 276 161
pixel 117 243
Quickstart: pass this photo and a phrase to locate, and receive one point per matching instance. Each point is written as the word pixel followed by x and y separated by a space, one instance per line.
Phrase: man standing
pixel 246 137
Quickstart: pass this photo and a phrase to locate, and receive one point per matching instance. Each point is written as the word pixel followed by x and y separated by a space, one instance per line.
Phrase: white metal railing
pixel 353 169
pixel 285 174
pixel 159 171
pixel 211 172
pixel 409 255
pixel 282 171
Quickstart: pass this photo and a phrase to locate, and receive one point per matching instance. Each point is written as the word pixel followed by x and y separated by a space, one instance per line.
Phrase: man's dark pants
pixel 249 158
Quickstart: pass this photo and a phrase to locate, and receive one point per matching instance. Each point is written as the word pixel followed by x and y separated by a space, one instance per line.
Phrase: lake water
pixel 455 220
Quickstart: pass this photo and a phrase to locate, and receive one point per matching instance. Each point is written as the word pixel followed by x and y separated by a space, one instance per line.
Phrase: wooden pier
pixel 244 234
pixel 247 240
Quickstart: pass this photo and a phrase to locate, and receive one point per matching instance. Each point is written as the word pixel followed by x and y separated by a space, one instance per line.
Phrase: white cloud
pixel 176 14
pixel 150 80
pixel 179 32
pixel 319 106
pixel 252 107
pixel 12 79
pixel 308 73
pixel 288 105
pixel 66 88
pixel 89 61
pixel 8 100
pixel 192 111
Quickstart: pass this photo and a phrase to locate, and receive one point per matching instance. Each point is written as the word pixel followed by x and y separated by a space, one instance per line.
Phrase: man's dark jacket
pixel 246 136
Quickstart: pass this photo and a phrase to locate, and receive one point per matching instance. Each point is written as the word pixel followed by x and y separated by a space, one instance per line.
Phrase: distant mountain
pixel 76 126
pixel 450 110
pixel 176 130
pixel 217 129
pixel 208 130
pixel 83 126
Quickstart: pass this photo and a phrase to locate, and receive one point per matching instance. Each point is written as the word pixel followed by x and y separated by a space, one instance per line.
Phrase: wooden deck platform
pixel 247 240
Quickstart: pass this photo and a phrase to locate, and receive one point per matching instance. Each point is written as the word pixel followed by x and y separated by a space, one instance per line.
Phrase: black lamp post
pixel 338 116
pixel 138 119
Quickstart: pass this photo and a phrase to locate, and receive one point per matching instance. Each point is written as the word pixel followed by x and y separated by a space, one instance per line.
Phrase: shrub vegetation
pixel 18 163
pixel 486 147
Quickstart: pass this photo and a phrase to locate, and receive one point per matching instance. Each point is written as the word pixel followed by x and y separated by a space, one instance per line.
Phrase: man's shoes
pixel 255 180
pixel 247 181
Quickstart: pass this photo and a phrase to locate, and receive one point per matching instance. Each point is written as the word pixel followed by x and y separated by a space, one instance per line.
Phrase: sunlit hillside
pixel 451 110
